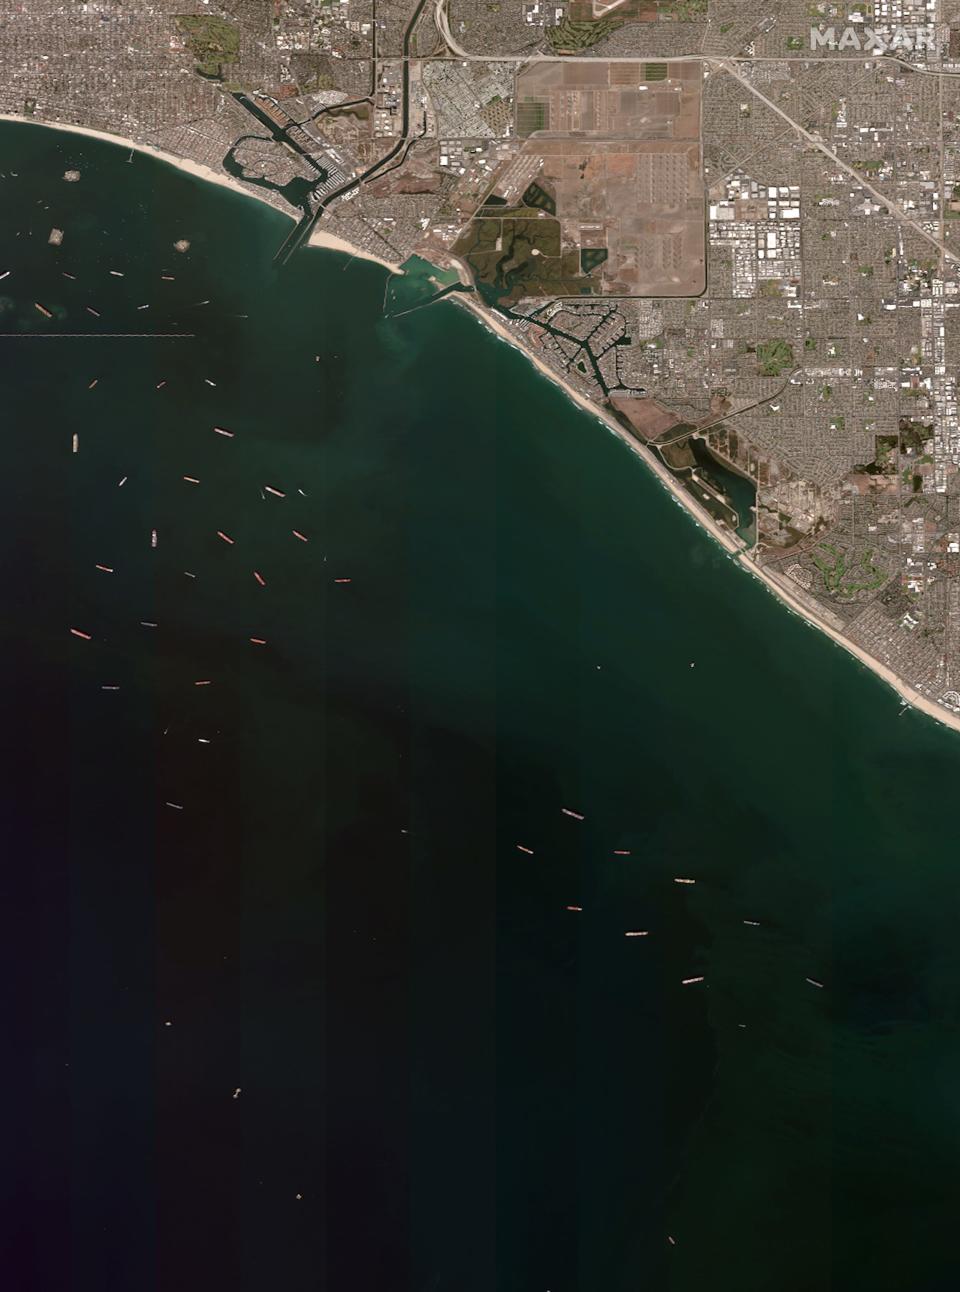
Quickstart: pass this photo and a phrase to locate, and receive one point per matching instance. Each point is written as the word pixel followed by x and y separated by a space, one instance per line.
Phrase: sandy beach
pixel 319 238
pixel 730 543
pixel 909 696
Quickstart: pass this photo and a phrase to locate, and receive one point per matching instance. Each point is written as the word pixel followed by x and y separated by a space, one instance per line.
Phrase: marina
pixel 518 637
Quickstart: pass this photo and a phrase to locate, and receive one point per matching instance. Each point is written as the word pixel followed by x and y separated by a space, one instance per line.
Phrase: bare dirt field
pixel 616 147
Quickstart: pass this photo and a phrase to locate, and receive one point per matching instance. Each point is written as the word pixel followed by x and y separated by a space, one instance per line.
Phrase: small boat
pixel 521 848
pixel 259 641
pixel 160 385
pixel 685 982
pixel 43 310
pixel 116 273
pixel 143 307
pixel 202 740
pixel 813 982
pixel 72 277
pixel 343 580
pixel 754 924
pixel 621 852
pixel 259 578
pixel 209 382
pixel 167 278
pixel 276 492
pixel 153 538
pixel 222 430
pixel 109 688
pixel 302 537
pixel 147 623
pixel 77 632
pixel 121 483
pixel 574 908
pixel 204 681
pixel 6 274
pixel 190 574
pixel 177 806
pixel 76 442
pixel 636 933
pixel 684 881
pixel 107 569
pixel 226 537
pixel 93 383
pixel 577 816
pixel 191 479
pixel 91 310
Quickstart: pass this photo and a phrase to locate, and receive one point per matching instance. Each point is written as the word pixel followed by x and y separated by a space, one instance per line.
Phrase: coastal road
pixel 302 231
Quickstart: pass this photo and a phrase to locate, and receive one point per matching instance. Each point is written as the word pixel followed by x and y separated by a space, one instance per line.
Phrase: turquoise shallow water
pixel 470 1086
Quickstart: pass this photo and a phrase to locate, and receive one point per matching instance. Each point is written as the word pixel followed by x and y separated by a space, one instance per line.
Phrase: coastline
pixel 318 238
pixel 331 242
pixel 731 544
pixel 913 699
pixel 732 547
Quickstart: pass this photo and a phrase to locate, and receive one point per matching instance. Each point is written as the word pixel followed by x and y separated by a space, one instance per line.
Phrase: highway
pixel 305 227
pixel 442 20
pixel 729 64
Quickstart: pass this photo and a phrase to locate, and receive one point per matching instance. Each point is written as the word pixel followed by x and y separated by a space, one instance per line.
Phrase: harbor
pixel 405 814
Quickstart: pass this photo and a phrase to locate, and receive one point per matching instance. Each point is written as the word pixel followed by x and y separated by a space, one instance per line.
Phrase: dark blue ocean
pixel 286 1005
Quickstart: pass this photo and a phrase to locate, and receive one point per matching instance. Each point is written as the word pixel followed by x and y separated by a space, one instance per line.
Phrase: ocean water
pixel 447 1079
